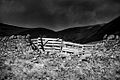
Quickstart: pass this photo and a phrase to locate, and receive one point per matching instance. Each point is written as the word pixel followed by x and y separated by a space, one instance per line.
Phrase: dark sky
pixel 58 14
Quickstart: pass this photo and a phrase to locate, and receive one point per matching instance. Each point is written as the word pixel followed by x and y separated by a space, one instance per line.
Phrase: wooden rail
pixel 56 44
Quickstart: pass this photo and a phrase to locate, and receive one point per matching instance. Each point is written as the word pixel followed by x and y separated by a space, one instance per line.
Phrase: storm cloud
pixel 58 14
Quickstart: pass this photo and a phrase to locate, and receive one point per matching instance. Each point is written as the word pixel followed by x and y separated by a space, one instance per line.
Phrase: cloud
pixel 83 11
pixel 58 14
pixel 68 12
pixel 10 9
pixel 11 6
pixel 114 1
pixel 108 10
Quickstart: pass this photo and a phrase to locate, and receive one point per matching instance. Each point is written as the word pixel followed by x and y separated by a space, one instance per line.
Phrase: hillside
pixel 7 30
pixel 90 33
pixel 37 32
pixel 112 27
pixel 78 34
pixel 81 35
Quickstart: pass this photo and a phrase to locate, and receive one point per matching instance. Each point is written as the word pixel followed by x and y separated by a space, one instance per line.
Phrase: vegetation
pixel 20 61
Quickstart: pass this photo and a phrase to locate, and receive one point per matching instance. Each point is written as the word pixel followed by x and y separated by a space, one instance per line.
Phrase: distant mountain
pixel 37 32
pixel 7 30
pixel 78 34
pixel 90 33
pixel 81 35
pixel 112 27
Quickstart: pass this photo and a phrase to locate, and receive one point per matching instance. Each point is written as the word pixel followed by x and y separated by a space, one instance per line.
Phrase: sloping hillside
pixel 81 35
pixel 78 34
pixel 112 27
pixel 37 32
pixel 7 30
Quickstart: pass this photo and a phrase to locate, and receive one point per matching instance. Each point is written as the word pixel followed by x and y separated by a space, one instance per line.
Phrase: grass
pixel 18 61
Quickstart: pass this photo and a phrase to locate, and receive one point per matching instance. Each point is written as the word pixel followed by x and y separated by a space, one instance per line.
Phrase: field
pixel 19 60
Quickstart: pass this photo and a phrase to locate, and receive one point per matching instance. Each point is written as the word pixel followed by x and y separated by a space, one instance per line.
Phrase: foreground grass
pixel 19 61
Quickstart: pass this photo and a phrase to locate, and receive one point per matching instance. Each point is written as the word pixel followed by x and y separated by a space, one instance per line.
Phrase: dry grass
pixel 18 61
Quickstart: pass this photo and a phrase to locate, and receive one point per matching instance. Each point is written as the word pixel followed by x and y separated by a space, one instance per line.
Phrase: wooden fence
pixel 58 45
